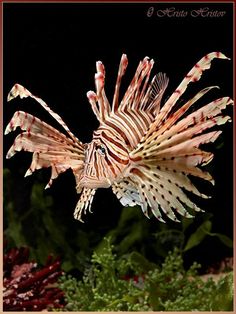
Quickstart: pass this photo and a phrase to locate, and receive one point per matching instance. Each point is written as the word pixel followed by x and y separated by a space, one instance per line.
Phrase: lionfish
pixel 143 150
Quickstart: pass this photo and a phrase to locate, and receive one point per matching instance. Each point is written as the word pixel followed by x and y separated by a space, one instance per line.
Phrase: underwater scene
pixel 118 157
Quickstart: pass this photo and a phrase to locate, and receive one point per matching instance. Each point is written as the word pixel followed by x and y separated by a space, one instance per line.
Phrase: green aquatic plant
pixel 154 241
pixel 46 227
pixel 43 228
pixel 131 283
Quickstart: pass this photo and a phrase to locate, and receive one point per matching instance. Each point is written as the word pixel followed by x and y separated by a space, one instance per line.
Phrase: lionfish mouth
pixel 94 183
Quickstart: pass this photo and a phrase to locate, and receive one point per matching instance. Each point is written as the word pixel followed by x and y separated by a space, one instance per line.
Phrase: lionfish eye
pixel 101 149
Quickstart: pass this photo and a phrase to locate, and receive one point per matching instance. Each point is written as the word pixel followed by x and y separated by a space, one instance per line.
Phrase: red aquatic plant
pixel 28 287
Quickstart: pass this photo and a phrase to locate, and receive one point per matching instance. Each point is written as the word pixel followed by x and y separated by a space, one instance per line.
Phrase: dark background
pixel 51 49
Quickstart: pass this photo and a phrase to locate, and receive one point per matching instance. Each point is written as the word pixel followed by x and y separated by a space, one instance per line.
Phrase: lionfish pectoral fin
pixel 169 151
pixel 19 90
pixel 159 190
pixel 192 76
pixel 84 203
pixel 50 147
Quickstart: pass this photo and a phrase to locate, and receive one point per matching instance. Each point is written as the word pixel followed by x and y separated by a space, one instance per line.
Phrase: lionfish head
pixel 106 159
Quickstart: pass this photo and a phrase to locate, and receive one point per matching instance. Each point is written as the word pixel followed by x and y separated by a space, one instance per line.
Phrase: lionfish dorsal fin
pixel 137 88
pixel 141 95
pixel 152 100
pixel 99 102
pixel 122 68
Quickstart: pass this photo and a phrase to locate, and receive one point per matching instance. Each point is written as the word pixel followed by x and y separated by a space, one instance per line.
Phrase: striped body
pixel 143 149
pixel 107 156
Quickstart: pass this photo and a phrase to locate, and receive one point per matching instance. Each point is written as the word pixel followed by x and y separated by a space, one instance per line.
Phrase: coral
pixel 27 287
